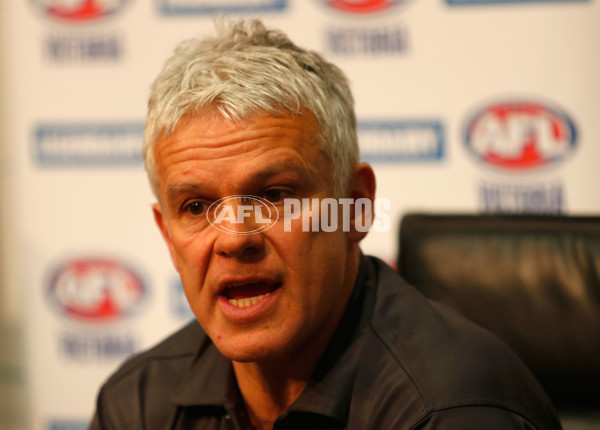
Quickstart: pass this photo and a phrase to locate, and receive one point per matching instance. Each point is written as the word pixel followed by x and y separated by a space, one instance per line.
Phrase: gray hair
pixel 246 70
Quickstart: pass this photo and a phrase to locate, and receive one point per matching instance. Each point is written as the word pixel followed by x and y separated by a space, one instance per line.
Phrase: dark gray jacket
pixel 396 361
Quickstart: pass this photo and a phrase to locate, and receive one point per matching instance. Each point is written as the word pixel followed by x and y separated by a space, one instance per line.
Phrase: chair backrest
pixel 532 280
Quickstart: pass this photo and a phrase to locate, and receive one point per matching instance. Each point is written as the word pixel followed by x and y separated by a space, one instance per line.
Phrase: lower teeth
pixel 242 303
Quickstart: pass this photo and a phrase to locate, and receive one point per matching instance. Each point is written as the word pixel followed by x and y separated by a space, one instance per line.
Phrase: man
pixel 297 329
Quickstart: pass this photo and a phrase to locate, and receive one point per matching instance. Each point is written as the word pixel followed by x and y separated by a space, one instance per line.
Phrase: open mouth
pixel 246 294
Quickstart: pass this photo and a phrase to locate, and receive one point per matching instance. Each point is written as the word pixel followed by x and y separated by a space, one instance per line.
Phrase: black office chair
pixel 532 280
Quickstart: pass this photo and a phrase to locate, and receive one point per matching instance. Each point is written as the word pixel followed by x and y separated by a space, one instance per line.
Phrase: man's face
pixel 298 282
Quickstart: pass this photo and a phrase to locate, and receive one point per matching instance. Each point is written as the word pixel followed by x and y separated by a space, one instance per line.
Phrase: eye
pixel 274 195
pixel 195 207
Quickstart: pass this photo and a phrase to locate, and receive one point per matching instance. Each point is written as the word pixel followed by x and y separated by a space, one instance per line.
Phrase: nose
pixel 239 228
pixel 240 245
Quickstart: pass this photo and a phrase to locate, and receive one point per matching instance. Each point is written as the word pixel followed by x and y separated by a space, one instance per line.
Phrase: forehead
pixel 210 130
pixel 208 145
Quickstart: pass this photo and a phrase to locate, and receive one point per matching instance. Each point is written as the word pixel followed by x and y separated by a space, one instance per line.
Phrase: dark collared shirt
pixel 396 361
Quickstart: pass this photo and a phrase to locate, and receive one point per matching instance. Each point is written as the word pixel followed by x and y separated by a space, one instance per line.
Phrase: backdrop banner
pixel 463 106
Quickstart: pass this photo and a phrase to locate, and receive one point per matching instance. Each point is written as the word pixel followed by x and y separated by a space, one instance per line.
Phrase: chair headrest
pixel 532 280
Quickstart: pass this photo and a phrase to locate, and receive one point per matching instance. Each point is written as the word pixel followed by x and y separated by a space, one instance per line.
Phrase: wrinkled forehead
pixel 213 152
pixel 208 133
pixel 311 129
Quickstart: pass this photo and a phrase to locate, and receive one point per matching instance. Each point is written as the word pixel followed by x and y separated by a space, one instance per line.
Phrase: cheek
pixel 328 255
pixel 316 262
pixel 191 257
pixel 188 244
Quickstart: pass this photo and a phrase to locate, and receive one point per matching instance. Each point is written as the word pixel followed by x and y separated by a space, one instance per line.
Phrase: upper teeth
pixel 242 303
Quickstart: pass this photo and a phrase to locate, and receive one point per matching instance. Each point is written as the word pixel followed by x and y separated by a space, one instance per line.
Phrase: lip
pixel 254 311
pixel 233 281
pixel 248 313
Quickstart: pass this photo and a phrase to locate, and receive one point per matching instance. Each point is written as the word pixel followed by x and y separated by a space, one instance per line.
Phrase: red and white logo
pixel 362 6
pixel 520 135
pixel 78 10
pixel 95 289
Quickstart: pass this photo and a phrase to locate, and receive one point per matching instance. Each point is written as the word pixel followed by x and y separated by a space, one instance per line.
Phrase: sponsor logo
pixel 64 424
pixel 401 141
pixel 209 7
pixel 540 198
pixel 83 48
pixel 180 307
pixel 484 2
pixel 97 346
pixel 88 144
pixel 95 290
pixel 362 6
pixel 78 11
pixel 367 41
pixel 520 135
pixel 360 40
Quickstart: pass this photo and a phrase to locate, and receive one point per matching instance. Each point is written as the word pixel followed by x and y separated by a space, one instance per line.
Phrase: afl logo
pixel 78 11
pixel 520 135
pixel 362 6
pixel 95 290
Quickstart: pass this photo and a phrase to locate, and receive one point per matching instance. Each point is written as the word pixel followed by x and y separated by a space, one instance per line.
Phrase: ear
pixel 161 222
pixel 361 186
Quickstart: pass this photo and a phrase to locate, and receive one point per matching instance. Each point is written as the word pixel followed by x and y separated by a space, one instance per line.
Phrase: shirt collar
pixel 211 381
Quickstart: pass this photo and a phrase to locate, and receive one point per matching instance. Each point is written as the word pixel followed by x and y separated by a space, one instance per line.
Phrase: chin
pixel 247 350
pixel 247 355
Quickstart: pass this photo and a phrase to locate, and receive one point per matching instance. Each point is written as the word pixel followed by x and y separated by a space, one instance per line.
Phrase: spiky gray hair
pixel 245 70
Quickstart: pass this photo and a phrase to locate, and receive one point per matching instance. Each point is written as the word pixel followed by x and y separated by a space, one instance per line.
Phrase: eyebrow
pixel 176 189
pixel 280 167
pixel 181 188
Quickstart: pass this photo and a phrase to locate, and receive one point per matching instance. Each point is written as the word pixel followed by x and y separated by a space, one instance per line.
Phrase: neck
pixel 268 389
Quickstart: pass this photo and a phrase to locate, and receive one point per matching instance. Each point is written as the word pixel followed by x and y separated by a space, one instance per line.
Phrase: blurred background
pixel 475 106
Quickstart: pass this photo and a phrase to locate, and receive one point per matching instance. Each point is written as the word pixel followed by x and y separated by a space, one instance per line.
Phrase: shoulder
pixel 432 360
pixel 147 381
pixel 168 355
